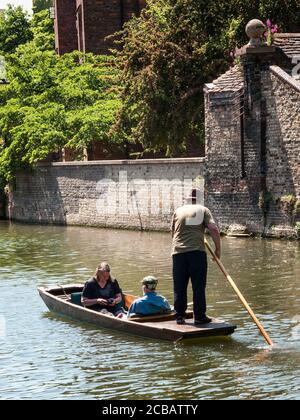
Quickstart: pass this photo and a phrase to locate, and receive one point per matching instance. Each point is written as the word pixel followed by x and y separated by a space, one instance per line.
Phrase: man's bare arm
pixel 215 234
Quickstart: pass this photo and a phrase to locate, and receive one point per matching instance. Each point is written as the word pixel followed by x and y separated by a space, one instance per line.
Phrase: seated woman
pixel 152 303
pixel 103 292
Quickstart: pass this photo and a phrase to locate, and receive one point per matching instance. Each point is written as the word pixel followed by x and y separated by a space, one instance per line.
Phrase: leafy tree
pixel 43 31
pixel 29 134
pixel 171 51
pixel 54 102
pixel 14 29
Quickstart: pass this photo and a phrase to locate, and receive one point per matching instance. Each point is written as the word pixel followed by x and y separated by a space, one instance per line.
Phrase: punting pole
pixel 239 294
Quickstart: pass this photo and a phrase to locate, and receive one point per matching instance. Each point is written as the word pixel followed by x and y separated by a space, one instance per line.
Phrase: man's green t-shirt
pixel 188 227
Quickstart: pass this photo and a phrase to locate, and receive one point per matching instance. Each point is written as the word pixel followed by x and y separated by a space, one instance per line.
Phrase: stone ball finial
pixel 255 30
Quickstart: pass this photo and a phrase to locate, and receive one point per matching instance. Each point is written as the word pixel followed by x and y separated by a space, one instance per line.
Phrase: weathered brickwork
pixel 253 164
pixel 231 198
pixel 71 193
pixel 283 148
pixel 283 136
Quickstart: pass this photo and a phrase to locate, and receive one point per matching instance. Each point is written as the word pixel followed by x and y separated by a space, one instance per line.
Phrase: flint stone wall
pixel 93 194
pixel 237 199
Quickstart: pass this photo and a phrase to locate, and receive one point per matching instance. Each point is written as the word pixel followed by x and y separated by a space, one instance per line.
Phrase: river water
pixel 45 356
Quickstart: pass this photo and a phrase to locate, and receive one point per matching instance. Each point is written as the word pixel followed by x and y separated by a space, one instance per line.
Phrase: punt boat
pixel 60 300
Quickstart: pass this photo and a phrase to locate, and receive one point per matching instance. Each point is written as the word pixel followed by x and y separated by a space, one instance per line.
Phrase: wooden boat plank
pixel 189 330
pixel 166 330
pixel 161 317
pixel 189 325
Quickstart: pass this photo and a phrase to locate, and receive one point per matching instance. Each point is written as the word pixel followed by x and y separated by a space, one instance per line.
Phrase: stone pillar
pixel 226 192
pixel 236 136
pixel 256 59
pixel 223 146
pixel 256 62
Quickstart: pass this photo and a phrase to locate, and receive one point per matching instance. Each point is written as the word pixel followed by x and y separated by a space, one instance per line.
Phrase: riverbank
pixel 232 232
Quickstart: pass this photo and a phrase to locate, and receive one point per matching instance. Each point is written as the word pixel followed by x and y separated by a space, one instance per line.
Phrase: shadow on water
pixel 257 352
pixel 119 335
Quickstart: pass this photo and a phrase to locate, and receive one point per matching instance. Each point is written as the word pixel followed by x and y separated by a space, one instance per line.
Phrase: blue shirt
pixel 150 304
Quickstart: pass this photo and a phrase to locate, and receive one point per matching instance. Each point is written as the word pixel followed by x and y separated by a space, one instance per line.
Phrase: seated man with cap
pixel 152 303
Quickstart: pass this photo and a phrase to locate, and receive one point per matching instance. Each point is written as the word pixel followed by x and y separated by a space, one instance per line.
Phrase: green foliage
pixel 297 229
pixel 14 29
pixel 287 203
pixel 171 51
pixel 167 57
pixel 29 135
pixel 54 101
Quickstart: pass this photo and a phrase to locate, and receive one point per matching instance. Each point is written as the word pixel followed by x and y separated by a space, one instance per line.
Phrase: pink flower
pixel 269 23
pixel 274 29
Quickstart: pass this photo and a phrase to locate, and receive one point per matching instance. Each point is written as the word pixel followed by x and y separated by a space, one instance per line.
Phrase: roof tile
pixel 231 81
pixel 289 43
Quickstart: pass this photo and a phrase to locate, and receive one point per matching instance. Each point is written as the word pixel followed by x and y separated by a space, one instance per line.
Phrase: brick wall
pixel 283 146
pixel 232 198
pixel 258 198
pixel 101 18
pixel 283 136
pixel 69 193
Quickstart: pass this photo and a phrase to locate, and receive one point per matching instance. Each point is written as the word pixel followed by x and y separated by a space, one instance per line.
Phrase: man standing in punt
pixel 189 256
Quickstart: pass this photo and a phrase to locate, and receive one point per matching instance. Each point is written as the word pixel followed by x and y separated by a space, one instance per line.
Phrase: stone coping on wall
pixel 285 77
pixel 171 161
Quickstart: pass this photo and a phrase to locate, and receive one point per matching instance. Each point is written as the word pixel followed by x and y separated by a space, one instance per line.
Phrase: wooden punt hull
pixel 165 329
